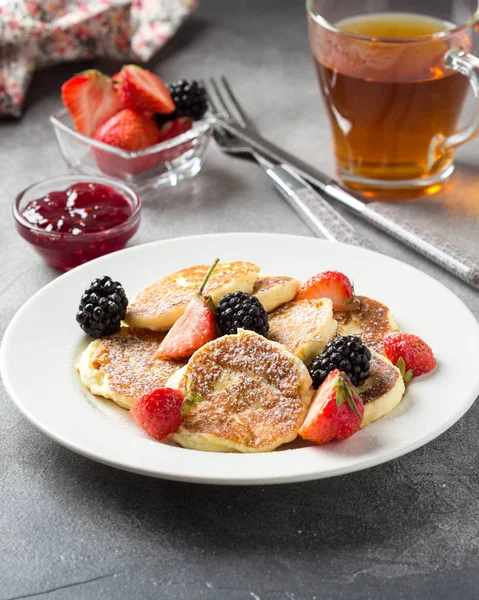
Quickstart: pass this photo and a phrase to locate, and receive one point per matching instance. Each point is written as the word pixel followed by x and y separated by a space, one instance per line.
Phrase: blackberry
pixel 241 311
pixel 348 354
pixel 102 307
pixel 189 98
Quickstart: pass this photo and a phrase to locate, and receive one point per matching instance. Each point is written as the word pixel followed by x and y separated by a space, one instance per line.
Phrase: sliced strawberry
pixel 91 99
pixel 116 83
pixel 195 328
pixel 144 91
pixel 409 353
pixel 159 413
pixel 333 285
pixel 129 131
pixel 336 411
pixel 173 129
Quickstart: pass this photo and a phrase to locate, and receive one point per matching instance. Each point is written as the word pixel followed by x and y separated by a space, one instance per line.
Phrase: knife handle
pixel 435 248
pixel 314 210
pixel 438 250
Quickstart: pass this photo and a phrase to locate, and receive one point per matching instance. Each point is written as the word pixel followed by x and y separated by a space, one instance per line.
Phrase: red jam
pixel 83 207
pixel 67 217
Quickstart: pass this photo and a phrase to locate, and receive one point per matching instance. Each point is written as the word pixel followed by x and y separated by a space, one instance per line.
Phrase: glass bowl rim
pixel 199 128
pixel 83 237
pixel 440 35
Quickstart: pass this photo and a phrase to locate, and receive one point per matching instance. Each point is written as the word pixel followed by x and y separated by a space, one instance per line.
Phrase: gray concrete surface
pixel 73 529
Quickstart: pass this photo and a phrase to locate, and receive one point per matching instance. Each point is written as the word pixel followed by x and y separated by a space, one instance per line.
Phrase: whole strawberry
pixel 159 413
pixel 409 353
pixel 130 131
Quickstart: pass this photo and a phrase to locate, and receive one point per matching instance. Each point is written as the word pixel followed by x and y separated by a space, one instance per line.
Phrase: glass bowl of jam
pixel 166 163
pixel 72 219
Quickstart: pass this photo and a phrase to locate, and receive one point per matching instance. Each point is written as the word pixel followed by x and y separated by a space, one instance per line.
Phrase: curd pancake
pixel 123 367
pixel 275 291
pixel 304 327
pixel 254 395
pixel 162 303
pixel 179 379
pixel 371 323
pixel 383 389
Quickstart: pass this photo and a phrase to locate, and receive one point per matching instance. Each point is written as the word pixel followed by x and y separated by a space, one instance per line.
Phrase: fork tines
pixel 223 102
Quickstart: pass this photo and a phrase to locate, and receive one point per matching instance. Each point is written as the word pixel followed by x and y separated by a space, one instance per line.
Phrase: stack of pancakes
pixel 255 391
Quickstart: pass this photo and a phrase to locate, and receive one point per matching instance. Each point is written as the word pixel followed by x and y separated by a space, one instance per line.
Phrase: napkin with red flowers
pixel 40 33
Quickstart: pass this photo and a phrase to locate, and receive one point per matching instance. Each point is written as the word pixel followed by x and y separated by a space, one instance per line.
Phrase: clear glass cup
pixel 166 163
pixel 65 251
pixel 395 100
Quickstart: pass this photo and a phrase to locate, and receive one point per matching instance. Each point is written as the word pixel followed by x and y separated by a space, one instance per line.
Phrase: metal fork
pixel 322 219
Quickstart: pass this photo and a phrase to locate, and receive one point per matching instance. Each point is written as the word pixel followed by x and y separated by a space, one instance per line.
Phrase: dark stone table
pixel 74 529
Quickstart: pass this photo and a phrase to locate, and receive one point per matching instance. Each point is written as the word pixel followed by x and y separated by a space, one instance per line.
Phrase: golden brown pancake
pixel 275 291
pixel 255 395
pixel 123 367
pixel 304 327
pixel 371 323
pixel 162 303
pixel 383 389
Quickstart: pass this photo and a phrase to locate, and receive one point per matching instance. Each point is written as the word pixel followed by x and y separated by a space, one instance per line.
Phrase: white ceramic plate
pixel 43 341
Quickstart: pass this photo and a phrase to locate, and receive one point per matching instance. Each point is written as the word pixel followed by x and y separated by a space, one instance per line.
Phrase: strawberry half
pixel 91 99
pixel 195 328
pixel 409 353
pixel 144 91
pixel 336 411
pixel 173 129
pixel 159 413
pixel 129 131
pixel 333 285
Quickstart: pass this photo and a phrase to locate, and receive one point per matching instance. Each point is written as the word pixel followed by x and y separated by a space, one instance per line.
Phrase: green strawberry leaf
pixel 356 304
pixel 190 400
pixel 339 396
pixel 351 403
pixel 406 375
pixel 210 304
pixel 207 276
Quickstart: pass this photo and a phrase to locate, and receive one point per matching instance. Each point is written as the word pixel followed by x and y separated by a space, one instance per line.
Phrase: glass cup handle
pixel 467 65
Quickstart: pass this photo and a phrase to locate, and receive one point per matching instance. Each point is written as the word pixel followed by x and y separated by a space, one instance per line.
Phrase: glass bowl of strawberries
pixel 133 127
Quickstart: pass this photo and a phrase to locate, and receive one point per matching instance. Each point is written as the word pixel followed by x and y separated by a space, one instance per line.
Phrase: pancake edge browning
pixel 375 322
pixel 304 327
pixel 197 439
pixel 154 297
pixel 97 378
pixel 383 391
pixel 275 290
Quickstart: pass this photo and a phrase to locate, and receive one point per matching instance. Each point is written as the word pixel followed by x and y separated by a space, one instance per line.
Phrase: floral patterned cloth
pixel 39 33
